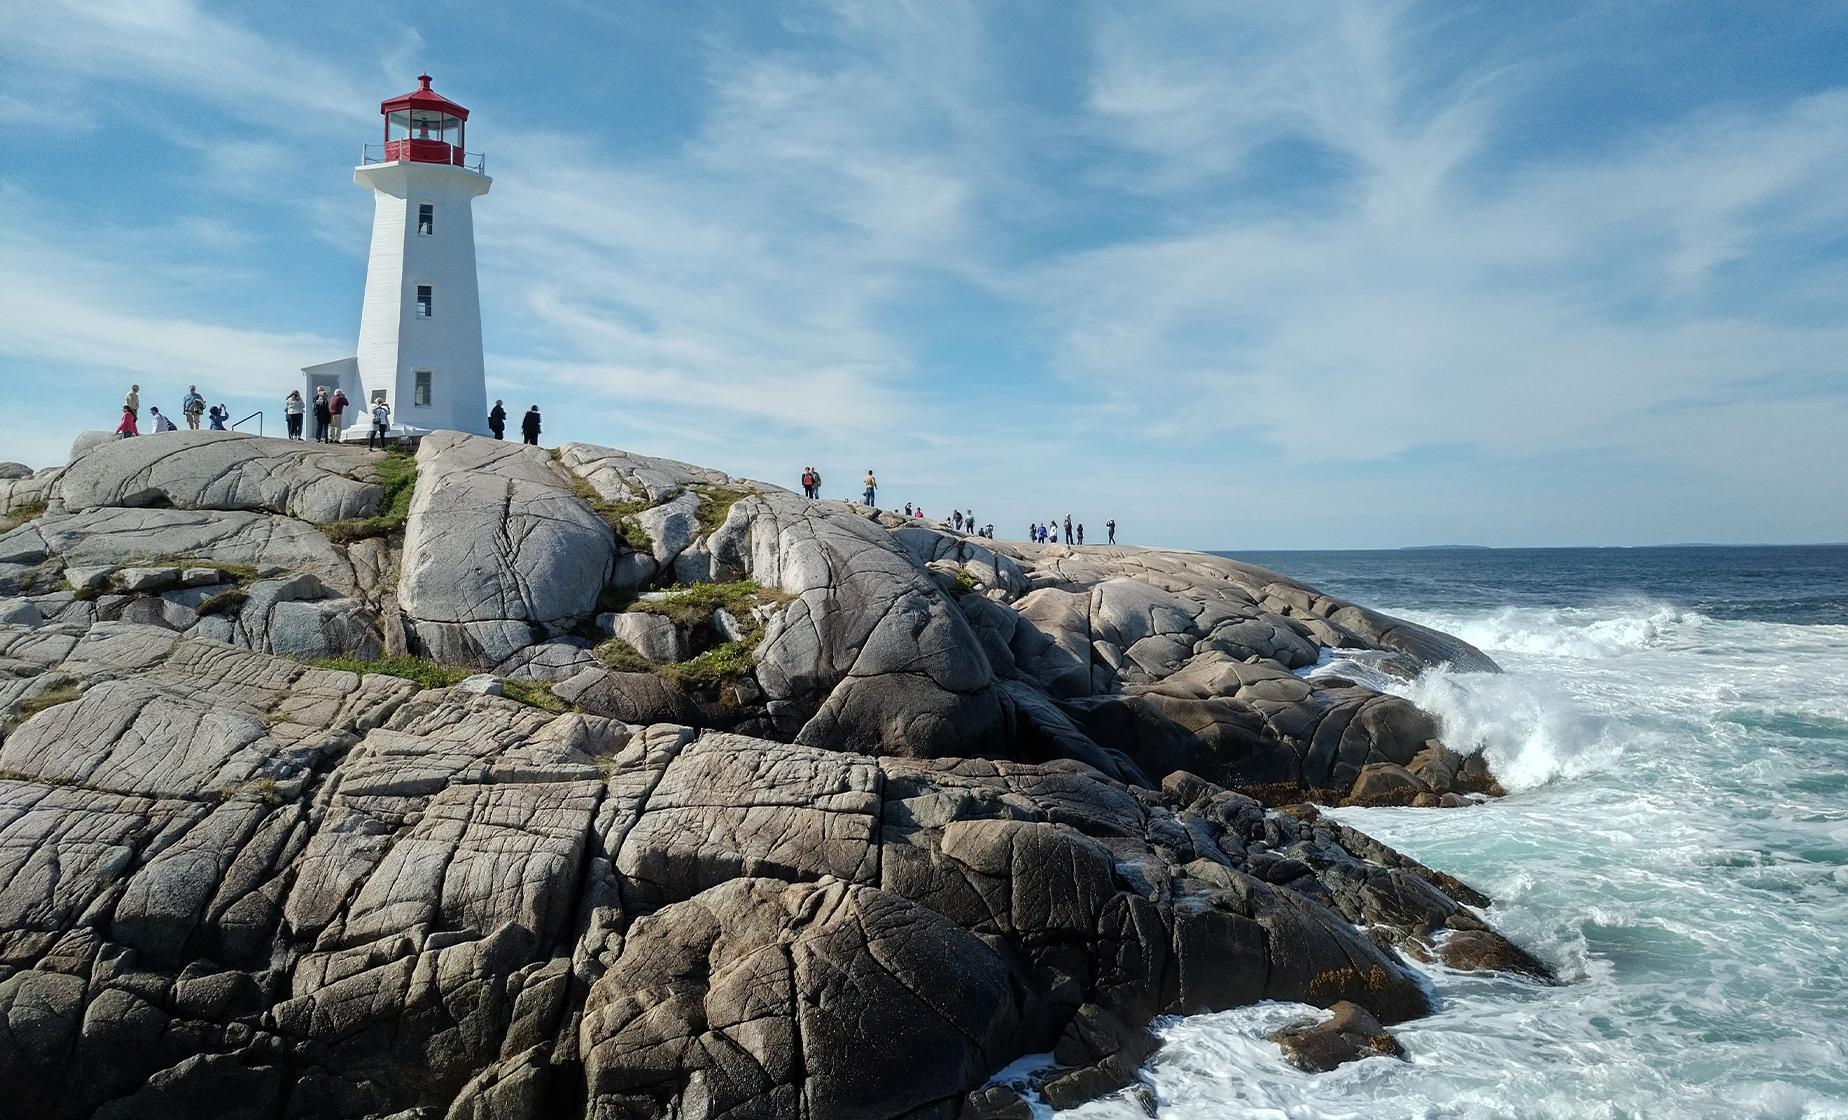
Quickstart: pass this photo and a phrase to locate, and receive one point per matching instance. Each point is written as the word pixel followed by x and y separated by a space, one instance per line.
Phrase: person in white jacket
pixel 292 409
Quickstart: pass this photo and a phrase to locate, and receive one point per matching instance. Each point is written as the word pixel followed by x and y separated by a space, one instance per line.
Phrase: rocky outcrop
pixel 904 808
pixel 498 550
pixel 314 482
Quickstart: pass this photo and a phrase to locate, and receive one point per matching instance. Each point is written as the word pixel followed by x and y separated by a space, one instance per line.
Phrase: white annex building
pixel 420 325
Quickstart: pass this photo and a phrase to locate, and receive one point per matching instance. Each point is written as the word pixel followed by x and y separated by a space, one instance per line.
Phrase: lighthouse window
pixel 421 394
pixel 426 219
pixel 423 301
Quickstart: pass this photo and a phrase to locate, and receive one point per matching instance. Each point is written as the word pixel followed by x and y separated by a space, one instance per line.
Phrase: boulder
pixel 652 635
pixel 1348 1035
pixel 868 655
pixel 146 579
pixel 496 548
pixel 206 470
pixel 1386 783
pixel 755 997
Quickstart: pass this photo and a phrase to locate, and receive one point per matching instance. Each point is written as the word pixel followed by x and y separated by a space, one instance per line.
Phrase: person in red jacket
pixel 127 427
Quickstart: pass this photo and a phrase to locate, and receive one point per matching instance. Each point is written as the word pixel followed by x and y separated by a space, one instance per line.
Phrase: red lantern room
pixel 423 126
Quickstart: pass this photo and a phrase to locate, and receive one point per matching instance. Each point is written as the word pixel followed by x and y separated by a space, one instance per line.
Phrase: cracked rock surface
pixel 962 801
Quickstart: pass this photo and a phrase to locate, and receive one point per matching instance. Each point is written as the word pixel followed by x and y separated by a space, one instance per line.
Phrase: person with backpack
pixel 336 414
pixel 808 482
pixel 497 420
pixel 127 427
pixel 872 484
pixel 322 414
pixel 381 423
pixel 192 406
pixel 292 411
pixel 218 416
pixel 529 426
pixel 161 423
pixel 1110 527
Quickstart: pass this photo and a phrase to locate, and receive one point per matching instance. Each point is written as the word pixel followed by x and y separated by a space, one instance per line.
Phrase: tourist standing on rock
pixel 956 519
pixel 497 420
pixel 292 411
pixel 132 401
pixel 808 482
pixel 1081 532
pixel 872 485
pixel 1110 527
pixel 381 423
pixel 218 416
pixel 161 423
pixel 192 406
pixel 127 427
pixel 336 414
pixel 907 509
pixel 322 414
pixel 1068 528
pixel 529 426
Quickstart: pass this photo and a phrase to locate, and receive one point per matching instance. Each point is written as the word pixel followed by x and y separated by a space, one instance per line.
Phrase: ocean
pixel 1673 730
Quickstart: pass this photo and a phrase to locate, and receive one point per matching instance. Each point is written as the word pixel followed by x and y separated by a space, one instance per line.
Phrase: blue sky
pixel 1239 275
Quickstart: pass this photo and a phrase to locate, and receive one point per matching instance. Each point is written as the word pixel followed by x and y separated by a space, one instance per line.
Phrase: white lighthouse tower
pixel 420 325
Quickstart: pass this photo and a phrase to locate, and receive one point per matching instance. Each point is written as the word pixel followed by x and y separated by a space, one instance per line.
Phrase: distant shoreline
pixel 1526 548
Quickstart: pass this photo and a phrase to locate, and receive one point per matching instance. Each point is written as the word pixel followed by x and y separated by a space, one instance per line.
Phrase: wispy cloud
pixel 1124 260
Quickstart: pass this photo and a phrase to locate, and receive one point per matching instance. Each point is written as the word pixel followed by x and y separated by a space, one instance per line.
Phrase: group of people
pixel 329 414
pixel 192 408
pixel 529 424
pixel 329 409
pixel 962 521
pixel 959 520
pixel 1048 532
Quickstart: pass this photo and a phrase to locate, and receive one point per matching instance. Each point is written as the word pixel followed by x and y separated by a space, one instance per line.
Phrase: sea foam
pixel 1675 843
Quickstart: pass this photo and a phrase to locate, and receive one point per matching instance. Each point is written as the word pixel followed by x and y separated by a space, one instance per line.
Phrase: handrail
pixel 257 416
pixel 458 157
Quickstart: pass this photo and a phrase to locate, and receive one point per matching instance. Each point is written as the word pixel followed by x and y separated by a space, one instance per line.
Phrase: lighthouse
pixel 420 324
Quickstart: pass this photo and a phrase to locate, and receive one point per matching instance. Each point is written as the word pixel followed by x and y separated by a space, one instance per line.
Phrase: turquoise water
pixel 1675 843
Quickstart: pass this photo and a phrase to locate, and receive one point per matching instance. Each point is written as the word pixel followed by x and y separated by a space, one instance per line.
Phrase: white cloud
pixel 1556 305
pixel 1410 279
pixel 177 45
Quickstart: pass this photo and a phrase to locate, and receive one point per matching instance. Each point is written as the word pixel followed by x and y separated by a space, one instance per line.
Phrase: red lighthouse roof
pixel 423 97
pixel 423 126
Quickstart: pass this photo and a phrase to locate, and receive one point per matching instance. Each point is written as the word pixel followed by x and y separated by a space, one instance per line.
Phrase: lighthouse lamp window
pixel 420 394
pixel 423 301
